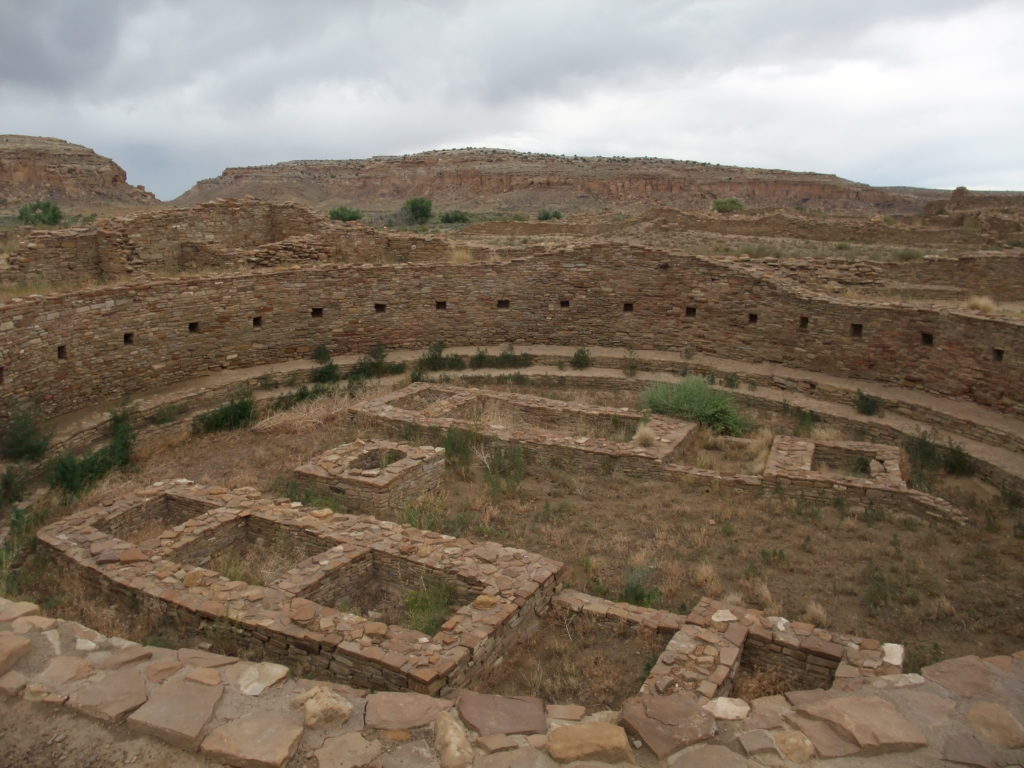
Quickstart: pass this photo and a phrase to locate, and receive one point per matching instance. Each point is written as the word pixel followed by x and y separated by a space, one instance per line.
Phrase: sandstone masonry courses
pixel 119 340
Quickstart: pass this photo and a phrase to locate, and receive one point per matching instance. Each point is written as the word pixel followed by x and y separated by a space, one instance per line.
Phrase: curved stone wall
pixel 68 351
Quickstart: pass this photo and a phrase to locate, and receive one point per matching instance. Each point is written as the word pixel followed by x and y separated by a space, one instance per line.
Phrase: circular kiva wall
pixel 68 351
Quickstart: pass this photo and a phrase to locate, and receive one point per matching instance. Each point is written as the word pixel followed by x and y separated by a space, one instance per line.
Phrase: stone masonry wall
pixel 120 340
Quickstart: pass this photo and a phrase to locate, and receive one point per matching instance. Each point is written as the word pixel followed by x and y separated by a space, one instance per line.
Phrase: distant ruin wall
pixel 69 351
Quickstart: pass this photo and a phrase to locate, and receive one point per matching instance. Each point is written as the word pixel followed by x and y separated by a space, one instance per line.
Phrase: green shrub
pixel 458 449
pixel 12 487
pixel 693 400
pixel 434 359
pixel 165 414
pixel 546 215
pixel 288 400
pixel 72 474
pixel 908 254
pixel 454 217
pixel 418 209
pixel 867 404
pixel 636 592
pixel 630 364
pixel 328 373
pixel 40 212
pixel 373 365
pixel 24 439
pixel 727 205
pixel 344 213
pixel 580 359
pixel 506 467
pixel 507 359
pixel 956 461
pixel 238 413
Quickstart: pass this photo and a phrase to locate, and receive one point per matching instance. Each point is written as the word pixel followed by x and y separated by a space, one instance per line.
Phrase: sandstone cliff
pixel 502 180
pixel 33 167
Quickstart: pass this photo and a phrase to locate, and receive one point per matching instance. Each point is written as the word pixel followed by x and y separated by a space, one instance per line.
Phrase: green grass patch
pixel 72 473
pixel 693 400
pixel 238 413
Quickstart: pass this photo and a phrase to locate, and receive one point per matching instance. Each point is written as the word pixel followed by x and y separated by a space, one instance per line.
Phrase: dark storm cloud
pixel 178 90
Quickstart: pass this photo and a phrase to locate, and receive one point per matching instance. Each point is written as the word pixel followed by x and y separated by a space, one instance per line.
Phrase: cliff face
pixel 489 180
pixel 73 176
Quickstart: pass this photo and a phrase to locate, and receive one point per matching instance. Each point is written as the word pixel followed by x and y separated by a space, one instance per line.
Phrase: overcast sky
pixel 910 92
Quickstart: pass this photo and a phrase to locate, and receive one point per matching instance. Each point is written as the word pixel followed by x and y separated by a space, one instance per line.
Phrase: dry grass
pixel 306 416
pixel 815 613
pixel 705 578
pixel 982 304
pixel 645 436
pixel 751 684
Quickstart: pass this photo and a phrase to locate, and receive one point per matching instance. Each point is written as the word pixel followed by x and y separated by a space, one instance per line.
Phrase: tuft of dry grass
pixel 757 593
pixel 815 613
pixel 305 417
pixel 982 303
pixel 705 577
pixel 645 436
pixel 941 608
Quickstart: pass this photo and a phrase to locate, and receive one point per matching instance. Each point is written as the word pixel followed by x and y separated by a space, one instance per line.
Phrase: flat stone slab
pixel 964 749
pixel 61 670
pixel 709 756
pixel 488 714
pixel 724 708
pixel 412 755
pixel 995 724
pixel 524 757
pixel 402 711
pixel 349 750
pixel 602 742
pixel 17 610
pixel 126 656
pixel 254 679
pixel 256 740
pixel 872 723
pixel 12 649
pixel 193 657
pixel 666 724
pixel 112 697
pixel 965 676
pixel 177 712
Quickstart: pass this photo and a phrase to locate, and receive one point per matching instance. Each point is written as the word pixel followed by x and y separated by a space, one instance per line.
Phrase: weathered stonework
pixel 375 477
pixel 150 548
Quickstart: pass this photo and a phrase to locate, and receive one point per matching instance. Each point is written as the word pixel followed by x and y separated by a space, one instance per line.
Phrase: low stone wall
pixel 506 588
pixel 375 477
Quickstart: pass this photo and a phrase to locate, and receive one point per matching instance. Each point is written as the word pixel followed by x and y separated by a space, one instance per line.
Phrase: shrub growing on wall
pixel 454 217
pixel 693 400
pixel 547 215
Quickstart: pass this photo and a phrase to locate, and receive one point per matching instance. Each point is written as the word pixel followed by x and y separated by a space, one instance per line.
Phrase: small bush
pixel 636 592
pixel 288 400
pixel 727 205
pixel 40 212
pixel 12 487
pixel 344 213
pixel 454 217
pixel 867 404
pixel 630 364
pixel 580 359
pixel 72 474
pixel 506 467
pixel 908 254
pixel 325 374
pixel 418 209
pixel 165 414
pixel 24 439
pixel 458 449
pixel 434 359
pixel 238 413
pixel 645 436
pixel 693 400
pixel 507 359
pixel 843 246
pixel 373 365
pixel 956 461
pixel 546 215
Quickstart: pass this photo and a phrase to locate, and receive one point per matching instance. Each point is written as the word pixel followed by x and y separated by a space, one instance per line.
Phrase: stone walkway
pixel 960 712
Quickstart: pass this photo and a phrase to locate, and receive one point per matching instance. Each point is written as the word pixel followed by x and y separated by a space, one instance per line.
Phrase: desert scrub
pixel 507 359
pixel 40 212
pixel 238 413
pixel 344 213
pixel 547 215
pixel 693 400
pixel 727 205
pixel 327 371
pixel 867 404
pixel 72 473
pixel 24 439
pixel 454 217
pixel 434 359
pixel 417 210
pixel 580 359
pixel 373 365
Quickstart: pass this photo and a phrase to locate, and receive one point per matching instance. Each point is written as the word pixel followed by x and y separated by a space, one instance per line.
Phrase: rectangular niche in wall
pixel 440 305
pixel 316 312
pixel 193 327
pixel 752 318
pixel 257 321
pixel 691 311
pixel 504 303
pixel 564 303
pixel 805 323
pixel 856 330
pixel 627 306
pixel 997 355
pixel 927 339
pixel 380 308
pixel 62 352
pixel 129 338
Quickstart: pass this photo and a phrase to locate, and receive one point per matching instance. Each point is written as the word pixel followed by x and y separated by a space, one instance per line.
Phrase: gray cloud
pixel 916 92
